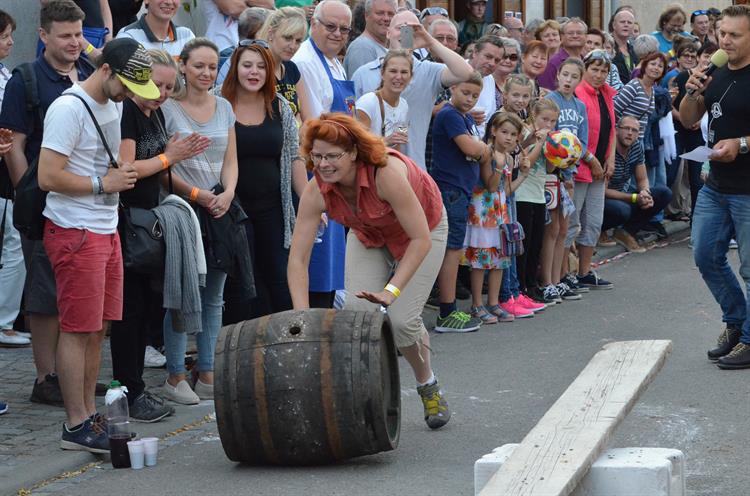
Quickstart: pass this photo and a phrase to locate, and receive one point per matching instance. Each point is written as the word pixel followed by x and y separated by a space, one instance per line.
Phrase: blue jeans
pixel 657 176
pixel 509 286
pixel 716 219
pixel 175 343
pixel 631 216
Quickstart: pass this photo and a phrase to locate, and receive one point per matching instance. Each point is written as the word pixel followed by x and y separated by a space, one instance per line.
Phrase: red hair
pixel 348 133
pixel 231 85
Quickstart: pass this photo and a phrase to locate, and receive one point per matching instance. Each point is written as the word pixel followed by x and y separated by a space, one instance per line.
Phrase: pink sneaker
pixel 511 306
pixel 530 304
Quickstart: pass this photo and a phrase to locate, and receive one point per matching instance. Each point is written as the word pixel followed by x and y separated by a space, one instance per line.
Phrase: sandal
pixel 502 315
pixel 482 314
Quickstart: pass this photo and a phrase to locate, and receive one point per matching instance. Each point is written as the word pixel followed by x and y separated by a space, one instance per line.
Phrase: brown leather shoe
pixel 628 241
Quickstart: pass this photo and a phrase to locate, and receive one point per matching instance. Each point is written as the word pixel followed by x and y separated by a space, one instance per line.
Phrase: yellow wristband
pixel 634 198
pixel 393 290
pixel 194 194
pixel 89 49
pixel 164 161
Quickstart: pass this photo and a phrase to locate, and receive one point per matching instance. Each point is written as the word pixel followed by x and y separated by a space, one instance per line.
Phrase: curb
pixel 21 479
pixel 673 227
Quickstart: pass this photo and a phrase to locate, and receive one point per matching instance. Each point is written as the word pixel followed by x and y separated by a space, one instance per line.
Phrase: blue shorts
pixel 457 207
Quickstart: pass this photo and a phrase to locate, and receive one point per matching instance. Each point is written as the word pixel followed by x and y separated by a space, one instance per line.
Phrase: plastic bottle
pixel 118 418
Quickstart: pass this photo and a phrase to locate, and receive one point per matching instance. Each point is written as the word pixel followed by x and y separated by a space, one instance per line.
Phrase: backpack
pixel 30 199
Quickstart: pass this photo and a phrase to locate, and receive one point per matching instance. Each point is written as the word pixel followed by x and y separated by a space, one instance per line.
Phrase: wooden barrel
pixel 307 387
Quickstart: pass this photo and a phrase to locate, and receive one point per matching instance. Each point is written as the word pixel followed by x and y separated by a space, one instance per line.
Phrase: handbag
pixel 141 235
pixel 511 239
pixel 551 191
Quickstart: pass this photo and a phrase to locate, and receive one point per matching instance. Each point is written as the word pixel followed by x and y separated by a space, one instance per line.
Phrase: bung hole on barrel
pixel 294 330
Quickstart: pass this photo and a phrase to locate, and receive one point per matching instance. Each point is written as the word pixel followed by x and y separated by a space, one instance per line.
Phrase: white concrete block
pixel 617 472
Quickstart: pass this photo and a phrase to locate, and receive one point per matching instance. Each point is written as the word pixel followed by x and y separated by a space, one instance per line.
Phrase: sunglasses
pixel 249 43
pixel 697 13
pixel 597 54
pixel 332 28
pixel 513 57
pixel 429 11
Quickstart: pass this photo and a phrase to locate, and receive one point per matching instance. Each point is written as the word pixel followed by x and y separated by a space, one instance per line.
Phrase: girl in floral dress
pixel 487 211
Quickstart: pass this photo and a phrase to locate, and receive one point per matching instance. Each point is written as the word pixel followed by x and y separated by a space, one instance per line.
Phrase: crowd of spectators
pixel 471 102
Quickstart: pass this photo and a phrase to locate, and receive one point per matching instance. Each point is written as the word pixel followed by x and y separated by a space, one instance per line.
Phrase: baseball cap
pixel 132 65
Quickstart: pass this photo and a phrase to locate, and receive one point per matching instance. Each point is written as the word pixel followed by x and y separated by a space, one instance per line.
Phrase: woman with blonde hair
pixel 147 146
pixel 285 30
pixel 549 32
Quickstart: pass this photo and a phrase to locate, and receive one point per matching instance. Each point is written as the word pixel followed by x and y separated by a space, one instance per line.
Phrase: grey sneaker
pixel 458 321
pixel 436 411
pixel 149 408
pixel 566 293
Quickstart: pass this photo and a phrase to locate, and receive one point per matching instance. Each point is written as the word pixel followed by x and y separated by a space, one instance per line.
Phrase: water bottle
pixel 118 420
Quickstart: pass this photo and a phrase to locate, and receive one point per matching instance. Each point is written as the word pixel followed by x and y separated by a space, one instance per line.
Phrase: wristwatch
pixel 743 145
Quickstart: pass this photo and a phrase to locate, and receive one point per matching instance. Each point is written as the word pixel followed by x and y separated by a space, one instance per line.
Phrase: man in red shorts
pixel 80 233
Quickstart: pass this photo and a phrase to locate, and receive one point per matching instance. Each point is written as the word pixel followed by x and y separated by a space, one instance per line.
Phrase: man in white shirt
pixel 428 80
pixel 329 29
pixel 155 29
pixel 221 19
pixel 372 43
pixel 80 233
pixel 487 55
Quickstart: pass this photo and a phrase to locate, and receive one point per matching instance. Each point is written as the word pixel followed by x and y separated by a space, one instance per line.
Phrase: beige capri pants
pixel 369 269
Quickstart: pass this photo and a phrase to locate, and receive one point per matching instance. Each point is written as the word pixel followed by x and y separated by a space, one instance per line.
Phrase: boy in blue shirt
pixel 457 151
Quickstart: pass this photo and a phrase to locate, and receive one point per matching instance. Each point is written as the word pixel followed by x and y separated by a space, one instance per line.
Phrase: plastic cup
pixel 150 450
pixel 136 450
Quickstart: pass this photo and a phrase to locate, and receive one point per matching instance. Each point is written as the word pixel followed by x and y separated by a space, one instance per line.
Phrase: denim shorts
pixel 457 207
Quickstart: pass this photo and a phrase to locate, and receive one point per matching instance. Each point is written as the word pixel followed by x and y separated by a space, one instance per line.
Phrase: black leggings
pixel 531 216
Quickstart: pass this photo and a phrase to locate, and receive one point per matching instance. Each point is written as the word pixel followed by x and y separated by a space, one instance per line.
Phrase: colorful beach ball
pixel 562 149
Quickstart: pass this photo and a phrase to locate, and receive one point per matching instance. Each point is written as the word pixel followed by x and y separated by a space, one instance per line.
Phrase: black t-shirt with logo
pixel 728 107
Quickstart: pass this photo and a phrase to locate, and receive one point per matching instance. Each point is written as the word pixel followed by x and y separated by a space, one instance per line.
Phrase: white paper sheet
pixel 700 154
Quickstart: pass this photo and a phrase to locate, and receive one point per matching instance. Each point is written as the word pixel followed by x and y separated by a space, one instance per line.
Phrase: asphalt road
pixel 500 381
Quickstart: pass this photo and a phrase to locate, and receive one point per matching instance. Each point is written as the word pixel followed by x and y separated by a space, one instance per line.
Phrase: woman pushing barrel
pixel 398 230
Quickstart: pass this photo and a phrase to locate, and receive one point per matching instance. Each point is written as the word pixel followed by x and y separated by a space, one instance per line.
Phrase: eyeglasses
pixel 445 38
pixel 249 43
pixel 433 11
pixel 513 57
pixel 689 55
pixel 332 28
pixel 629 129
pixel 597 54
pixel 331 158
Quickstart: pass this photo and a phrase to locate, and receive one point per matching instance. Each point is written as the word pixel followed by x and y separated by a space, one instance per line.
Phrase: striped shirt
pixel 172 44
pixel 625 166
pixel 633 100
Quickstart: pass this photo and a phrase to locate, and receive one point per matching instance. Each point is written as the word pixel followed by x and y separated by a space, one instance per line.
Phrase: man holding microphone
pixel 722 210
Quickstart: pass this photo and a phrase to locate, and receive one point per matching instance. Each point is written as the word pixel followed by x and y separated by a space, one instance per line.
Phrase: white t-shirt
pixel 369 104
pixel 69 130
pixel 4 78
pixel 220 28
pixel 424 88
pixel 486 102
pixel 319 89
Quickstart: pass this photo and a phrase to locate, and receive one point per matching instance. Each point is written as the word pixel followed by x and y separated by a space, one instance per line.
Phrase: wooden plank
pixel 556 454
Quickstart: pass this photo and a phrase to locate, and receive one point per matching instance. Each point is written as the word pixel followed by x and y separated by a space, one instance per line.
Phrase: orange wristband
pixel 194 194
pixel 164 161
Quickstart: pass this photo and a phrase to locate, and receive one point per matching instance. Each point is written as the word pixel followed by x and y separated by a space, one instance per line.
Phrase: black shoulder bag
pixel 141 235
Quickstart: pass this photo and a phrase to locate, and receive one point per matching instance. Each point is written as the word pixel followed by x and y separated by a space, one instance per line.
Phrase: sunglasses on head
pixel 249 43
pixel 597 54
pixel 433 11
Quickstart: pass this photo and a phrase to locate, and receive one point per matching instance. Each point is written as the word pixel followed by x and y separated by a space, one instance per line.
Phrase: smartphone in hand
pixel 407 36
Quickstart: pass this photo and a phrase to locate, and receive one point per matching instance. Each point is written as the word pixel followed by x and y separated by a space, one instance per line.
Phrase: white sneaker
pixel 204 391
pixel 181 393
pixel 11 338
pixel 153 359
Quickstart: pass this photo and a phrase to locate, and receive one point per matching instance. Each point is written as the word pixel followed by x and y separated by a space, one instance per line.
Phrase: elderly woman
pixel 598 97
pixel 396 219
pixel 506 67
pixel 534 61
pixel 671 23
pixel 548 32
pixel 643 46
